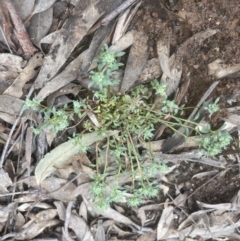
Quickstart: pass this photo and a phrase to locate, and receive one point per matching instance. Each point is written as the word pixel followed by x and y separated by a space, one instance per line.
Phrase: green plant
pixel 134 116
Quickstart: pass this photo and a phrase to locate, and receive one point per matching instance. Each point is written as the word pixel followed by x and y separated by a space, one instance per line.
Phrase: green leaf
pixel 61 154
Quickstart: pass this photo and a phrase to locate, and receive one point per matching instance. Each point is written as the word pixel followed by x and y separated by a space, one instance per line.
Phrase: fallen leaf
pixel 10 108
pixel 58 156
pixel 219 69
pixel 85 14
pixel 53 187
pixel 100 233
pixel 40 6
pixel 99 36
pixel 163 50
pixel 136 61
pixel 69 74
pixel 23 7
pixel 40 25
pixel 34 229
pixel 164 222
pixel 75 222
pixel 5 210
pixel 205 174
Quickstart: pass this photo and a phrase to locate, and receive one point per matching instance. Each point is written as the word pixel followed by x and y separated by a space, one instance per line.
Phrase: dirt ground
pixel 198 15
pixel 177 21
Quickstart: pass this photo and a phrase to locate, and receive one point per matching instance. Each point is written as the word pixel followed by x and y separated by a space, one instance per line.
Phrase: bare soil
pixel 156 18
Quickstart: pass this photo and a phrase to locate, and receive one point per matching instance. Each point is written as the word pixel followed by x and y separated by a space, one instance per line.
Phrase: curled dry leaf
pixel 60 155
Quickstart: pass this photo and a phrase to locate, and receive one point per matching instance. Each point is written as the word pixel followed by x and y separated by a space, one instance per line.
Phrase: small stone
pixel 154 15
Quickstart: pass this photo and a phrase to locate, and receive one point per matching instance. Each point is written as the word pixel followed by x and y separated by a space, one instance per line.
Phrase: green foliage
pixel 214 143
pixel 212 108
pixel 134 116
pixel 32 104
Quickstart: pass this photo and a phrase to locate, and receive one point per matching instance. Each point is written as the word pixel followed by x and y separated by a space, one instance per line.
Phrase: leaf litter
pixel 53 195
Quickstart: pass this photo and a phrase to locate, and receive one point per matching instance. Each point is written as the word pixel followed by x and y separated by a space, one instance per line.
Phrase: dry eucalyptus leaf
pixel 233 119
pixel 36 228
pixel 19 222
pixel 68 89
pixel 123 43
pixel 220 206
pixel 136 61
pixel 164 222
pixel 219 69
pixel 44 215
pixel 28 73
pixel 152 70
pixel 100 233
pixel 5 210
pixel 99 36
pixel 40 6
pixel 163 56
pixel 83 211
pixel 54 188
pixel 40 25
pixel 23 7
pixel 69 74
pixel 75 222
pixel 192 218
pixel 24 207
pixel 205 174
pixel 118 217
pixel 82 233
pixel 10 108
pixel 84 15
pixel 50 38
pixel 124 21
pixel 60 155
pixel 60 209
